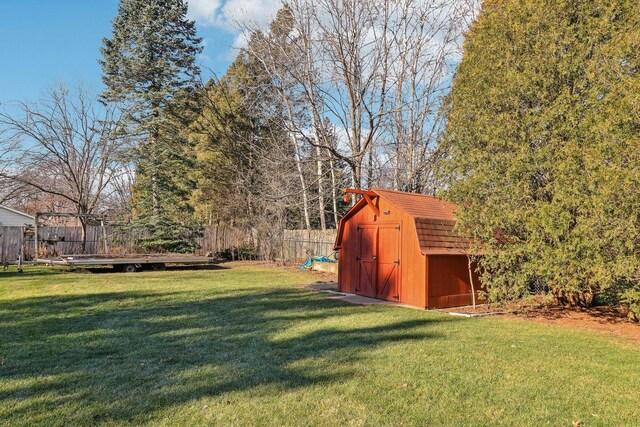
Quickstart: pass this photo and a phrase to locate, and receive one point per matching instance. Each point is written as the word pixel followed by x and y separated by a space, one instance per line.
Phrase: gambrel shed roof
pixel 434 221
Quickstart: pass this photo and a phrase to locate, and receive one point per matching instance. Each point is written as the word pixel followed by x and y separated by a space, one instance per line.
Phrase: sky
pixel 44 42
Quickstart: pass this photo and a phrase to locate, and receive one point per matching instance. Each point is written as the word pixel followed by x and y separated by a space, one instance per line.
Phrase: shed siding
pixel 347 266
pixel 412 264
pixel 449 284
pixel 412 280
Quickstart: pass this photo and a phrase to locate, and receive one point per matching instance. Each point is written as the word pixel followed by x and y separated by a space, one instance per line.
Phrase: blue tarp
pixel 309 261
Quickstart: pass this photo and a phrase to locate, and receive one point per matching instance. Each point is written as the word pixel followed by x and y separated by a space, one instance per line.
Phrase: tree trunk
pixel 316 122
pixel 319 172
pixel 83 238
pixel 370 166
pixel 573 298
pixel 334 196
pixel 155 199
pixel 303 184
pixel 355 180
pixel 473 289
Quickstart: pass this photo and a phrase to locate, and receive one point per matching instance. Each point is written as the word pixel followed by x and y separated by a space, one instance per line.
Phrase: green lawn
pixel 246 345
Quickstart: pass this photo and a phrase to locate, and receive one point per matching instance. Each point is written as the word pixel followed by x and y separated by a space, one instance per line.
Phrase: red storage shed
pixel 401 247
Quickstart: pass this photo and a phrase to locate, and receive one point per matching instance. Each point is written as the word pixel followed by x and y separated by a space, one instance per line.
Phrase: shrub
pixel 161 235
pixel 243 253
pixel 631 298
pixel 542 146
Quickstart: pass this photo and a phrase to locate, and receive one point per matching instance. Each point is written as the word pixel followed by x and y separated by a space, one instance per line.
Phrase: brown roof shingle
pixel 437 237
pixel 434 219
pixel 419 205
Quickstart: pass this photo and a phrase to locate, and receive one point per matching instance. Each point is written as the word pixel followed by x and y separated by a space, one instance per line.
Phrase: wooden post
pixel 35 237
pixel 473 290
pixel 104 236
pixel 21 250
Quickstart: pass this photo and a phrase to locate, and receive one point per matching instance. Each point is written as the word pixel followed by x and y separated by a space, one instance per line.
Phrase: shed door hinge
pixel 397 262
pixel 397 227
pixel 396 297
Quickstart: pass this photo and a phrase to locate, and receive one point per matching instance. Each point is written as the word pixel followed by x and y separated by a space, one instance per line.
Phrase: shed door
pixel 379 261
pixel 388 263
pixel 367 257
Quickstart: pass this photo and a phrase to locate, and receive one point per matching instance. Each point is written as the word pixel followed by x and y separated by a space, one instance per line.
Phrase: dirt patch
pixel 606 319
pixel 610 320
pixel 321 276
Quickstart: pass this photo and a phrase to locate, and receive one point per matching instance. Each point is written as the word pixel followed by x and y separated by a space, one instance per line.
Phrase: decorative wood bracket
pixel 372 205
pixel 368 196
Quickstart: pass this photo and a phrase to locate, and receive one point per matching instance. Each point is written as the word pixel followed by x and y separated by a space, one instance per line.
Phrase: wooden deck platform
pixel 77 260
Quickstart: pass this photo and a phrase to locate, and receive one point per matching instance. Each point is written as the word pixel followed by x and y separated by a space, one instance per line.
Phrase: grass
pixel 246 345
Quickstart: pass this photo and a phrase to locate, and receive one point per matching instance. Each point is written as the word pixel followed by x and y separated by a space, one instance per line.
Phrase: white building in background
pixel 13 218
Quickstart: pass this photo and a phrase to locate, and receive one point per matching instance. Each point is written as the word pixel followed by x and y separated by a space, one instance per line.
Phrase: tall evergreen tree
pixel 544 141
pixel 149 59
pixel 149 66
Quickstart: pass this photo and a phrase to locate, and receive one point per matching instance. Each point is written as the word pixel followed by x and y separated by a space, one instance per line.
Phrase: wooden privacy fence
pixel 283 245
pixel 60 240
pixel 213 239
pixel 299 245
pixel 10 242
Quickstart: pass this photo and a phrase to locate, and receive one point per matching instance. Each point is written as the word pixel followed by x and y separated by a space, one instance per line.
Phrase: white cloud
pixel 243 16
pixel 241 41
pixel 204 11
pixel 251 13
pixel 233 14
pixel 237 17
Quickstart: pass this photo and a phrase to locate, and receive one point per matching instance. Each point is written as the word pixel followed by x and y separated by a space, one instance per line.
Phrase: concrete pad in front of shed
pixel 331 288
pixel 360 300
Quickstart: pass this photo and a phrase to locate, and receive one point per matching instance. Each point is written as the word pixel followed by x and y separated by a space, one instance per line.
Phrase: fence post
pixel 21 249
pixel 36 255
pixel 104 234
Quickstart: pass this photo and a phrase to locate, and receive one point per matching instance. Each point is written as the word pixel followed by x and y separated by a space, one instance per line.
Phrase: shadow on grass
pixel 108 269
pixel 29 272
pixel 41 271
pixel 123 356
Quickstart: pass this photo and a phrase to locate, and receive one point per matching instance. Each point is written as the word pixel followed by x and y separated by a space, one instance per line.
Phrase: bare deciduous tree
pixel 67 145
pixel 347 84
pixel 377 71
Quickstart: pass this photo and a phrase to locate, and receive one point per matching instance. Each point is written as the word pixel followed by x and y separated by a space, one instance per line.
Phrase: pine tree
pixel 149 66
pixel 147 63
pixel 543 136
